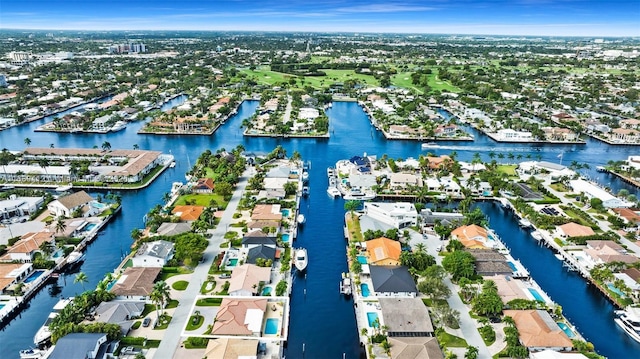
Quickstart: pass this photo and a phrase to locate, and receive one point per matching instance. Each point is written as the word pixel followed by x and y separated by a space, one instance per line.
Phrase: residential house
pixel 188 213
pixel 398 214
pixel 12 274
pixel 268 227
pixel 632 281
pixel 172 229
pixel 551 354
pixel 248 279
pixel 436 163
pixel 266 212
pixel 625 135
pixel 539 331
pixel 630 123
pixel 121 312
pixel 559 134
pixel 446 130
pixel 450 187
pixel 102 124
pixel 83 345
pixel 562 117
pixel 153 254
pixel 429 217
pixel 203 185
pixel 24 249
pixel 230 348
pixel 593 191
pixel 510 135
pixel 490 262
pixel 15 206
pixel 257 238
pixel 264 252
pixel 571 229
pixel 392 281
pixel 241 317
pixel 399 181
pixel 383 251
pixel 67 205
pixel 471 236
pixel 136 283
pixel 508 287
pixel 603 252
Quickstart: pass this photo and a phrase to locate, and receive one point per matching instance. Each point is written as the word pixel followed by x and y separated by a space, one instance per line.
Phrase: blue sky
pixel 509 17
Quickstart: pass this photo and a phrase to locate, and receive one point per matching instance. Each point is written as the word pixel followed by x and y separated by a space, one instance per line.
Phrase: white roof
pixel 580 185
pixel 253 319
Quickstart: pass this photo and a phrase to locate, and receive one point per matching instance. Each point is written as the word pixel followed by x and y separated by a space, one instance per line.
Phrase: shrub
pixel 136 325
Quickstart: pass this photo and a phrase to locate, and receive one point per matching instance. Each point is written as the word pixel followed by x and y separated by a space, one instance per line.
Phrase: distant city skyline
pixel 599 18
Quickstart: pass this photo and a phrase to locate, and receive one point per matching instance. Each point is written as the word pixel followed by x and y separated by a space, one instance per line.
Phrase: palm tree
pixel 352 206
pixel 471 353
pixel 81 278
pixel 106 146
pixel 60 225
pixel 163 291
pixel 27 141
pixel 44 163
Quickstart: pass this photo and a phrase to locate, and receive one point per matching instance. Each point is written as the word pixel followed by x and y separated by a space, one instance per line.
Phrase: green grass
pixel 148 308
pixel 163 323
pixel 203 289
pixel 168 272
pixel 209 302
pixel 199 320
pixel 559 187
pixel 202 200
pixel 439 85
pixel 353 225
pixel 172 304
pixel 449 340
pixel 263 75
pixel 509 170
pixel 403 80
pixel 180 285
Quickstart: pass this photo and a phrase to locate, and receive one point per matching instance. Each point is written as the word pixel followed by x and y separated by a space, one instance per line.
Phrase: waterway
pixel 322 322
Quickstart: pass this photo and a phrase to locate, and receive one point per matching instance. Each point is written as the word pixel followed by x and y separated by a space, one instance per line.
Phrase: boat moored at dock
pixel 629 321
pixel 44 334
pixel 301 260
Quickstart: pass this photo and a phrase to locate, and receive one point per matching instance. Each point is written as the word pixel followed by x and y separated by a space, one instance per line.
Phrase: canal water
pixel 322 322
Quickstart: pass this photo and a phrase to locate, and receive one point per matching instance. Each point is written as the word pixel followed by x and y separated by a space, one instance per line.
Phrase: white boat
pixel 330 172
pixel 300 260
pixel 429 145
pixel 333 192
pixel 301 218
pixel 305 191
pixel 345 284
pixel 358 195
pixel 536 235
pixel 629 321
pixel 524 223
pixel 118 126
pixel 44 334
pixel 75 257
pixel 32 353
pixel 305 177
pixel 172 164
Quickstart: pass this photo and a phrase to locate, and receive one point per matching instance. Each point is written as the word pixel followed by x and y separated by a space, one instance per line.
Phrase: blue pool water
pixel 99 205
pixel 615 290
pixel 536 295
pixel 232 262
pixel 266 291
pixel 513 266
pixel 285 238
pixel 285 212
pixel 1 306
pixel 371 318
pixel 365 289
pixel 89 227
pixel 272 326
pixel 565 328
pixel 33 276
pixel 362 259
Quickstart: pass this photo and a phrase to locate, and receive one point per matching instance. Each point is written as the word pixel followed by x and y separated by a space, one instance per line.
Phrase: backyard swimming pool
pixel 285 238
pixel 286 212
pixel 89 227
pixel 513 266
pixel 232 262
pixel 565 328
pixel 372 317
pixel 536 295
pixel 615 290
pixel 266 291
pixel 365 289
pixel 272 326
pixel 33 276
pixel 362 259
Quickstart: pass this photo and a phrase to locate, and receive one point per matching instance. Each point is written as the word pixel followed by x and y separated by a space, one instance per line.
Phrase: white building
pixel 153 254
pixel 65 206
pixel 398 215
pixel 19 206
pixel 593 191
pixel 507 134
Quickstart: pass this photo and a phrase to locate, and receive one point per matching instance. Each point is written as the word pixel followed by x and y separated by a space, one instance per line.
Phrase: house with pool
pixel 136 283
pixel 248 280
pixel 471 236
pixel 153 254
pixel 538 331
pixel 67 205
pixel 391 281
pixel 12 274
pixel 397 214
pixel 25 249
pixel 383 251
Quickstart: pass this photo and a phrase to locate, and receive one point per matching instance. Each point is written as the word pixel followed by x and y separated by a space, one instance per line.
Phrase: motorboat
pixel 301 260
pixel 75 257
pixel 305 177
pixel 629 321
pixel 301 219
pixel 345 284
pixel 44 334
pixel 331 172
pixel 118 126
pixel 32 353
pixel 333 192
pixel 524 223
pixel 305 191
pixel 359 195
pixel 536 235
pixel 427 145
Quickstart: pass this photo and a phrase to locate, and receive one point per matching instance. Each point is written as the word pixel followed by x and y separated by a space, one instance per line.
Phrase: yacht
pixel 44 334
pixel 333 192
pixel 629 321
pixel 32 353
pixel 536 235
pixel 300 259
pixel 305 177
pixel 345 284
pixel 301 219
pixel 330 172
pixel 305 191
pixel 429 145
pixel 524 223
pixel 75 257
pixel 356 194
pixel 119 125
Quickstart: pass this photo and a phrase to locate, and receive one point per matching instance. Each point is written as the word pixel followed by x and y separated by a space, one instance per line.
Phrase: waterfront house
pixel 400 181
pixel 258 238
pixel 490 262
pixel 471 236
pixel 188 213
pixel 398 214
pixel 136 283
pixel 15 206
pixel 630 123
pixel 230 348
pixel 559 134
pixel 508 287
pixel 539 331
pixel 510 135
pixel 102 124
pixel 203 185
pixel 172 229
pixel 554 170
pixel 266 212
pixel 266 227
pixel 429 217
pixel 12 274
pixel 572 229
pixel 121 312
pixel 551 354
pixel 625 135
pixel 593 191
pixel 261 252
pixel 432 184
pixel 247 279
pixel 27 246
pixel 603 252
pixel 67 205
pixel 241 317
pixel 153 254
pixel 392 281
pixel 436 163
pixel 450 187
pixel 83 345
pixel 383 251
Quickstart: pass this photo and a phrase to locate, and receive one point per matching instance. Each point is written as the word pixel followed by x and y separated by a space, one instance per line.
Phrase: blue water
pixel 371 318
pixel 285 212
pixel 285 238
pixel 232 262
pixel 272 326
pixel 266 291
pixel 98 205
pixel 317 317
pixel 1 306
pixel 565 328
pixel 536 295
pixel 33 276
pixel 615 290
pixel 513 266
pixel 365 289
pixel 362 259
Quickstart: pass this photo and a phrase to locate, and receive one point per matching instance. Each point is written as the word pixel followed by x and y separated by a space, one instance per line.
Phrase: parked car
pixel 225 276
pixel 146 322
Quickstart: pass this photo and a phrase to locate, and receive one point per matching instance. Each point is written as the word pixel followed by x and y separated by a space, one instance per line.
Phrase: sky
pixel 488 17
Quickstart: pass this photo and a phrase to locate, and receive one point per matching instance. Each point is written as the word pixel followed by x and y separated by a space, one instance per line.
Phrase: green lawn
pixel 168 272
pixel 265 76
pixel 353 225
pixel 449 340
pixel 180 285
pixel 403 80
pixel 436 84
pixel 509 170
pixel 172 304
pixel 202 200
pixel 209 302
pixel 163 323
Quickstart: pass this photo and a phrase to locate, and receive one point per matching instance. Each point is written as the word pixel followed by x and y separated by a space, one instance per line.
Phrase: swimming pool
pixel 232 262
pixel 1 306
pixel 513 266
pixel 272 326
pixel 98 205
pixel 266 291
pixel 536 295
pixel 365 289
pixel 362 259
pixel 286 212
pixel 565 328
pixel 285 238
pixel 33 276
pixel 372 317
pixel 615 290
